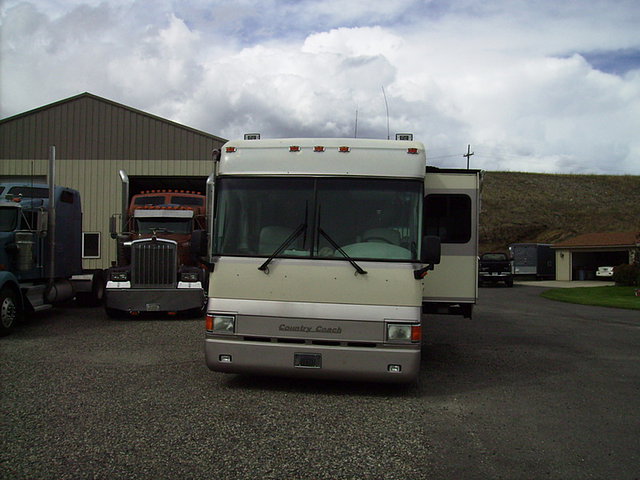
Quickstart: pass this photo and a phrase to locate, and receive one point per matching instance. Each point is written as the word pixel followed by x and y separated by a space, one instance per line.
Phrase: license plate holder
pixel 307 360
pixel 153 307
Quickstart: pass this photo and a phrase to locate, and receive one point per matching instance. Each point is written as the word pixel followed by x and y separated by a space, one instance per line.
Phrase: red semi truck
pixel 156 270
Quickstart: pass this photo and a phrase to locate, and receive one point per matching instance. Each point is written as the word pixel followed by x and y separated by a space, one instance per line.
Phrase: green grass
pixel 617 297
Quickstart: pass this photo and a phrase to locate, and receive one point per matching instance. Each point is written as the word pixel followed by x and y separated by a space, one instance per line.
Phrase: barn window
pixel 90 244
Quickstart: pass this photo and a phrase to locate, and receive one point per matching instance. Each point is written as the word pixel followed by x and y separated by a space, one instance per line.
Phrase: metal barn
pixel 94 139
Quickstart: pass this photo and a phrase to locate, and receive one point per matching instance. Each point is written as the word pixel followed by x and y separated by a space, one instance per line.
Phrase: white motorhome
pixel 318 256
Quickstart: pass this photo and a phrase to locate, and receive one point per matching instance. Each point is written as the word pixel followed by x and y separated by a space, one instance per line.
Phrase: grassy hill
pixel 548 208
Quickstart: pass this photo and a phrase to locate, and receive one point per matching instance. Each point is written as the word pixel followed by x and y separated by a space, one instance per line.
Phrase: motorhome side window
pixel 448 216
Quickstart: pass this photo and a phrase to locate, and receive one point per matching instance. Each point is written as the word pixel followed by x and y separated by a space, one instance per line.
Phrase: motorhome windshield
pixel 341 218
pixel 163 225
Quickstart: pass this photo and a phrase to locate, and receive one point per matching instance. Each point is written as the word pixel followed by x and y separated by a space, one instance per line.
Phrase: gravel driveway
pixel 529 388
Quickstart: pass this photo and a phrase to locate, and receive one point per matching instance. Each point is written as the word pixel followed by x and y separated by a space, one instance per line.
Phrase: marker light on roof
pixel 344 149
pixel 294 148
pixel 318 148
pixel 230 149
pixel 413 151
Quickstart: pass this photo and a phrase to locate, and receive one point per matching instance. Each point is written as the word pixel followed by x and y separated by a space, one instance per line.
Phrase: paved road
pixel 528 389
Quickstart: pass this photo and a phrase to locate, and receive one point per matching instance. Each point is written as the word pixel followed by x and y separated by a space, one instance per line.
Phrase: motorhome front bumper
pixel 376 364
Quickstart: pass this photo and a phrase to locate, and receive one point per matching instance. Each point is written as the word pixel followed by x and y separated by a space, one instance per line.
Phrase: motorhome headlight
pixel 189 277
pixel 404 332
pixel 217 323
pixel 120 276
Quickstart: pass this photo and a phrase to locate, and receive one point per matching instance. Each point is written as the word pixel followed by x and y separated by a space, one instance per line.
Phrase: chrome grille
pixel 154 264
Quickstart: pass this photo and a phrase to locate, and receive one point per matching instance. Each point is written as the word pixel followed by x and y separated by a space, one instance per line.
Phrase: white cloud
pixel 511 78
pixel 158 69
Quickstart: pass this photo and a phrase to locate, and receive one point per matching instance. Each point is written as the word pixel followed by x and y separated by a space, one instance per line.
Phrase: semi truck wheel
pixel 95 297
pixel 9 311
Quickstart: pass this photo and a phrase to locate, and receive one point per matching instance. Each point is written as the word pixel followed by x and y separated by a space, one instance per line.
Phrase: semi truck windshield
pixel 364 218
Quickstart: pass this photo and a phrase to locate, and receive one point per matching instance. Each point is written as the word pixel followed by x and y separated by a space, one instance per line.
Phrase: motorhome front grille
pixel 153 264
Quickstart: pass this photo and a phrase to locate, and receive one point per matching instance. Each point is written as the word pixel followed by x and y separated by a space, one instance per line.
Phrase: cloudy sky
pixel 539 86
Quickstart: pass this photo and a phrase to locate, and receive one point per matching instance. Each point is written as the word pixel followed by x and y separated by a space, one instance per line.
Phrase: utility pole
pixel 468 154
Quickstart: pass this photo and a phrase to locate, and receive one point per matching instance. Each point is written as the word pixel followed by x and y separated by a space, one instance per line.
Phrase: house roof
pixel 606 239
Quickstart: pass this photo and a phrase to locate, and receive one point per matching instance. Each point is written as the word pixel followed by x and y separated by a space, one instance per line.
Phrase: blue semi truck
pixel 41 251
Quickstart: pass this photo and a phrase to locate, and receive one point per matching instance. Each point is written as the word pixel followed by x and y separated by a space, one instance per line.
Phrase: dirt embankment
pixel 546 208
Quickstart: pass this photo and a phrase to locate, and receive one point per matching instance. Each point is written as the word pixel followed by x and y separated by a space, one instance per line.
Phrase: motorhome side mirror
pixel 199 243
pixel 430 253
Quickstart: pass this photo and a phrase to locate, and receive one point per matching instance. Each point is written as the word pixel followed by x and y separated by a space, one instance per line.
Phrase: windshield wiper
pixel 344 254
pixel 298 231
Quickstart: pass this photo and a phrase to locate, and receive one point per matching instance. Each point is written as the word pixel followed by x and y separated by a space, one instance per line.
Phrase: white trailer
pixel 318 255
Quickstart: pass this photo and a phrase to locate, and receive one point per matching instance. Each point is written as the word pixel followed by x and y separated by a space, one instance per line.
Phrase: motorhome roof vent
pixel 404 136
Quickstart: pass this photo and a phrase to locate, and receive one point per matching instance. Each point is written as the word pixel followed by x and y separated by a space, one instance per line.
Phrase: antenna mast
pixel 355 133
pixel 386 105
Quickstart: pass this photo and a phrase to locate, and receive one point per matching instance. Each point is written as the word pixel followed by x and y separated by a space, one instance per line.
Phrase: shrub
pixel 627 275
